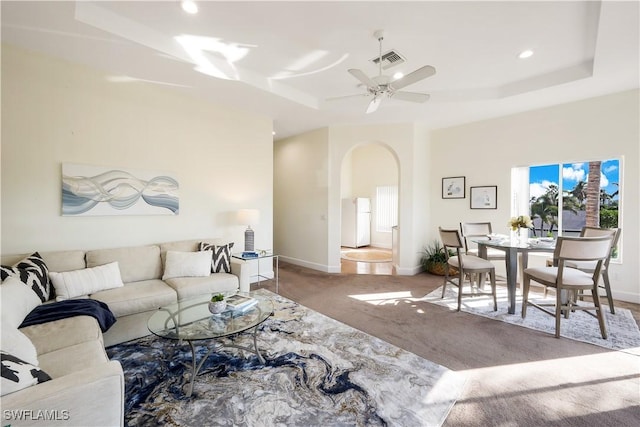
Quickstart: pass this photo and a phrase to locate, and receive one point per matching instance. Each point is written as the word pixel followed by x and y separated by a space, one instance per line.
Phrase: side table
pixel 261 255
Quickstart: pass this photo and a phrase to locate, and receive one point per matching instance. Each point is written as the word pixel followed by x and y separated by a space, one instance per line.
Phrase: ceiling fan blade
pixel 411 96
pixel 360 75
pixel 417 75
pixel 374 104
pixel 337 98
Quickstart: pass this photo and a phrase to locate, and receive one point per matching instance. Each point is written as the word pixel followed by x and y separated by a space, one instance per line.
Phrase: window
pixel 386 208
pixel 563 198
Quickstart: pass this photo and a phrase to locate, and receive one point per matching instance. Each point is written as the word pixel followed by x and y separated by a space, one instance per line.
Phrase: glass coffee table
pixel 190 320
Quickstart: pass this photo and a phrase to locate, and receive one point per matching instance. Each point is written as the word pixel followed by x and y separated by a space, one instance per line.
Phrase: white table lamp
pixel 248 217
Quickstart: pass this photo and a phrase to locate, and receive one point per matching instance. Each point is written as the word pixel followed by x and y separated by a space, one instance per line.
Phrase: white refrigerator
pixel 356 222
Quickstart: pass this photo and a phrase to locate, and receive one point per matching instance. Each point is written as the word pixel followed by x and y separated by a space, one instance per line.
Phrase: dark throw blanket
pixel 69 308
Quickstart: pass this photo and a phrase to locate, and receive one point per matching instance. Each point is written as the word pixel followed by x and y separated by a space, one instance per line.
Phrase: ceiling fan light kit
pixel 383 86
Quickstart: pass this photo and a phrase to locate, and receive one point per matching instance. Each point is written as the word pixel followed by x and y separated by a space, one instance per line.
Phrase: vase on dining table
pixel 521 236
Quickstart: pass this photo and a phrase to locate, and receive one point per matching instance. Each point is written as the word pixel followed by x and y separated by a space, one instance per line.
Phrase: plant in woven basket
pixel 434 259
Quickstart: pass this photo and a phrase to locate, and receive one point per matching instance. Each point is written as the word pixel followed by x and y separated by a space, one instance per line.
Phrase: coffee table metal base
pixel 195 367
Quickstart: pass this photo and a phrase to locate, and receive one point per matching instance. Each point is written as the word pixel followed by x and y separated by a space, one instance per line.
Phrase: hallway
pixel 366 260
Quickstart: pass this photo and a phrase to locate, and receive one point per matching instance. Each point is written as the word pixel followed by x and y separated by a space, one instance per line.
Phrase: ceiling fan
pixel 381 86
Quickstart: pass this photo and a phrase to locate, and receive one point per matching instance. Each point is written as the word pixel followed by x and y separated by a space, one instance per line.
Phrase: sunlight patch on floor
pixel 384 298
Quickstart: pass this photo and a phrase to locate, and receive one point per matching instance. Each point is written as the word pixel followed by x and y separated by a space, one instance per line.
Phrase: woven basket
pixel 437 268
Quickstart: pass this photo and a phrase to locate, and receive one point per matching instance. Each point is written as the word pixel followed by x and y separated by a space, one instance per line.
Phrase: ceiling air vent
pixel 389 59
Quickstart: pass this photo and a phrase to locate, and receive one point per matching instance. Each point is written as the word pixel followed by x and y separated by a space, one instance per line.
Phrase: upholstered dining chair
pixel 468 266
pixel 478 231
pixel 588 266
pixel 569 281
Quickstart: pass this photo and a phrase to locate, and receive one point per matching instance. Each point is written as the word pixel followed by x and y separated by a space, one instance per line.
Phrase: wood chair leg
pixel 558 311
pixel 599 313
pixel 444 286
pixel 492 277
pixel 525 294
pixel 607 288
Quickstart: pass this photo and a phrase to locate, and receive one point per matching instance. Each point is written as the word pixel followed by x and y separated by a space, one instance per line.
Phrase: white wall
pixel 301 182
pixel 55 112
pixel 308 189
pixel 594 129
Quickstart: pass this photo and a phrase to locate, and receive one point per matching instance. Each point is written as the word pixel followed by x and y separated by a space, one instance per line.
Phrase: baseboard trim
pixel 626 296
pixel 312 265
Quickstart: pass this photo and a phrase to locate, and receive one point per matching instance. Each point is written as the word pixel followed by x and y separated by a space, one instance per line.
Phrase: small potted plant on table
pixel 217 304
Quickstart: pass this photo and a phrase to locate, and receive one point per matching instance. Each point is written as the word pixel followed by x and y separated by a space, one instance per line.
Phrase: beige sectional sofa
pixel 86 389
pixel 84 382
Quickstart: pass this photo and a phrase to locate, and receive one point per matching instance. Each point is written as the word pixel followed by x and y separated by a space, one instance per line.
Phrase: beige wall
pixel 55 112
pixel 593 129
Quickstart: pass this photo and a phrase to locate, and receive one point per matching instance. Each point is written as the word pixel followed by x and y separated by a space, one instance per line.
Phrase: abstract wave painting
pixel 91 190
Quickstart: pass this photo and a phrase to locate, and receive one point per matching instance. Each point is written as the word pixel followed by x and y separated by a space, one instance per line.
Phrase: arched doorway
pixel 369 174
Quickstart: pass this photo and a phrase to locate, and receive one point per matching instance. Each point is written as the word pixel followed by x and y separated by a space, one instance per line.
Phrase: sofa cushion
pixel 187 264
pixel 221 256
pixel 191 287
pixel 16 301
pixel 64 260
pixel 67 360
pixel 33 272
pixel 65 332
pixel 18 344
pixel 137 297
pixel 136 263
pixel 71 284
pixel 18 374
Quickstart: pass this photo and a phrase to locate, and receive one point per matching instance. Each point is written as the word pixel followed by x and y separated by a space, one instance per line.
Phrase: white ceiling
pixel 284 59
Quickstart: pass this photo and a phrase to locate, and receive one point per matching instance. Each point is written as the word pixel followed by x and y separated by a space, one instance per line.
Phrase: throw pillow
pixel 221 259
pixel 16 301
pixel 76 283
pixel 187 264
pixel 18 374
pixel 16 343
pixel 33 272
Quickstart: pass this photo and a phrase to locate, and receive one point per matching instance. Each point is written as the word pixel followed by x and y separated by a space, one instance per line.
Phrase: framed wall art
pixel 92 190
pixel 484 197
pixel 453 187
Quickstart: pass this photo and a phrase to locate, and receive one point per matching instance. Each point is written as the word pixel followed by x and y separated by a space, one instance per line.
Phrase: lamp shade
pixel 248 216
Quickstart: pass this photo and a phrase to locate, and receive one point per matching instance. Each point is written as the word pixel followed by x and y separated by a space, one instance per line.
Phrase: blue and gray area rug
pixel 318 372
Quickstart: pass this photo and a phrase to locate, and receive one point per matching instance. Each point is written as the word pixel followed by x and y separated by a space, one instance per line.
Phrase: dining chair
pixel 478 231
pixel 569 281
pixel 588 266
pixel 468 266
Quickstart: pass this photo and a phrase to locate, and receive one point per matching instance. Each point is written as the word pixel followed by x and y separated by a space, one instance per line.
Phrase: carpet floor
pixel 622 329
pixel 516 376
pixel 318 372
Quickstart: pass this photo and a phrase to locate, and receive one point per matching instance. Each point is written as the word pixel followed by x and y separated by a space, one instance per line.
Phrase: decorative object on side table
pixel 248 217
pixel 434 260
pixel 217 304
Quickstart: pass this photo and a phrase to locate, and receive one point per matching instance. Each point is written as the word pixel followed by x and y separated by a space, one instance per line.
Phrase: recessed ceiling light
pixel 190 7
pixel 525 54
pixel 398 75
